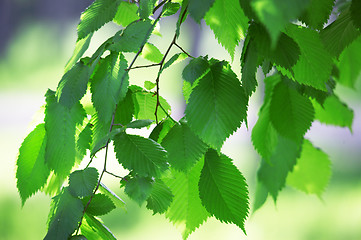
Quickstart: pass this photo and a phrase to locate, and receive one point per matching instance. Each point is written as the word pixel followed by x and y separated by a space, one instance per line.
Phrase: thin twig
pixel 159 5
pixel 114 175
pixel 144 66
pixel 183 50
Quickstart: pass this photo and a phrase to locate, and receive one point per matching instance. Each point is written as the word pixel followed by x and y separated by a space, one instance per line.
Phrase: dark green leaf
pixel 356 13
pixel 125 110
pixel 84 140
pixel 161 130
pixel 118 202
pixel 138 188
pixel 198 8
pixel 317 13
pixel 160 197
pixel 146 8
pixel 100 204
pixel 195 69
pixel 249 64
pixel 83 182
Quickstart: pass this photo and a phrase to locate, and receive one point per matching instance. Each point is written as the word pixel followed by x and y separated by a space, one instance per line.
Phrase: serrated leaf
pixel 73 85
pixel 176 58
pixel 109 85
pixel 151 53
pixel 145 104
pixel 217 105
pixel 84 140
pixel 312 172
pixel 229 24
pixel 126 13
pixel 60 123
pixel 68 212
pixel 339 34
pixel 198 8
pixel 273 175
pixel 182 16
pixel 100 134
pixel 290 113
pixel 94 229
pixel 161 130
pixel 146 8
pixel 83 182
pixel 140 123
pixel 249 64
pixel 118 202
pixel 160 197
pixel 186 209
pixel 356 13
pixel 276 14
pixel 138 188
pixel 32 172
pixel 96 15
pixel 100 204
pixel 80 47
pixel 142 155
pixel 170 8
pixel 223 189
pixel 315 63
pixel 184 147
pixel 102 142
pixel 317 13
pixel 195 69
pixel 133 37
pixel 125 110
pixel 334 112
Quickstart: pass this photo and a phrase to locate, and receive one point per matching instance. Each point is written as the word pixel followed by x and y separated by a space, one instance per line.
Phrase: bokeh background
pixel 36 40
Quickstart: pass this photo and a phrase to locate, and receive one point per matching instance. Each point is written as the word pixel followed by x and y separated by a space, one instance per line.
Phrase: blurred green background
pixel 36 41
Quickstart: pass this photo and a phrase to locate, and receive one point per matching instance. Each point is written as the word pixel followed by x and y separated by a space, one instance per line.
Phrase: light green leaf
pixel 80 47
pixel 67 214
pixel 140 123
pixel 184 147
pixel 100 204
pixel 146 8
pixel 217 105
pixel 96 15
pixel 223 189
pixel 176 58
pixel 317 13
pixel 290 113
pixel 195 69
pixel 151 53
pixel 126 13
pixel 228 22
pixel 149 85
pixel 161 130
pixel 160 197
pixel 186 210
pixel 118 202
pixel 142 155
pixel 32 172
pixel 93 229
pixel 109 85
pixel 145 104
pixel 260 196
pixel 170 8
pixel 312 172
pixel 60 123
pixel 138 188
pixel 83 182
pixel 198 8
pixel 125 110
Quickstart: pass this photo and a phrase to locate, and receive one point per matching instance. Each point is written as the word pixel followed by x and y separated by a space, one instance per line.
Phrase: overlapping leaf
pixel 83 182
pixel 151 53
pixel 100 204
pixel 93 229
pixel 195 69
pixel 127 13
pixel 198 8
pixel 160 197
pixel 146 8
pixel 138 188
pixel 145 104
pixel 125 110
pixel 161 130
pixel 317 13
pixel 249 64
pixel 80 47
pixel 118 202
pixel 84 140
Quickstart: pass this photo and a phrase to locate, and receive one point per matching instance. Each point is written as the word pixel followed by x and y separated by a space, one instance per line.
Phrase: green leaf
pixel 125 110
pixel 184 147
pixel 145 104
pixel 161 130
pixel 102 142
pixel 273 176
pixel 60 123
pixel 93 229
pixel 356 13
pixel 32 172
pixel 142 155
pixel 100 134
pixel 138 188
pixel 100 204
pixel 118 202
pixel 96 15
pixel 109 85
pixel 84 140
pixel 151 53
pixel 170 8
pixel 249 64
pixel 223 189
pixel 198 8
pixel 217 105
pixel 339 34
pixel 126 13
pixel 73 85
pixel 260 196
pixel 80 47
pixel 176 58
pixel 160 197
pixel 149 85
pixel 349 64
pixel 133 37
pixel 67 215
pixel 146 8
pixel 140 123
pixel 228 22
pixel 195 69
pixel 186 209
pixel 315 63
pixel 83 182
pixel 276 14
pixel 312 172
pixel 334 112
pixel 290 113
pixel 78 237
pixel 317 13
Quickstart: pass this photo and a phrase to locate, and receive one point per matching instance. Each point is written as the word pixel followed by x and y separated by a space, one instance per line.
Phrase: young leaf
pixel 184 147
pixel 140 123
pixel 217 105
pixel 151 53
pixel 145 104
pixel 83 182
pixel 312 172
pixel 60 123
pixel 80 48
pixel 96 15
pixel 195 69
pixel 109 85
pixel 149 85
pixel 142 155
pixel 290 113
pixel 138 188
pixel 68 212
pixel 100 205
pixel 229 24
pixel 126 13
pixel 223 189
pixel 317 13
pixel 176 58
pixel 32 172
pixel 146 8
pixel 160 197
pixel 198 8
pixel 93 229
pixel 186 209
pixel 118 202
